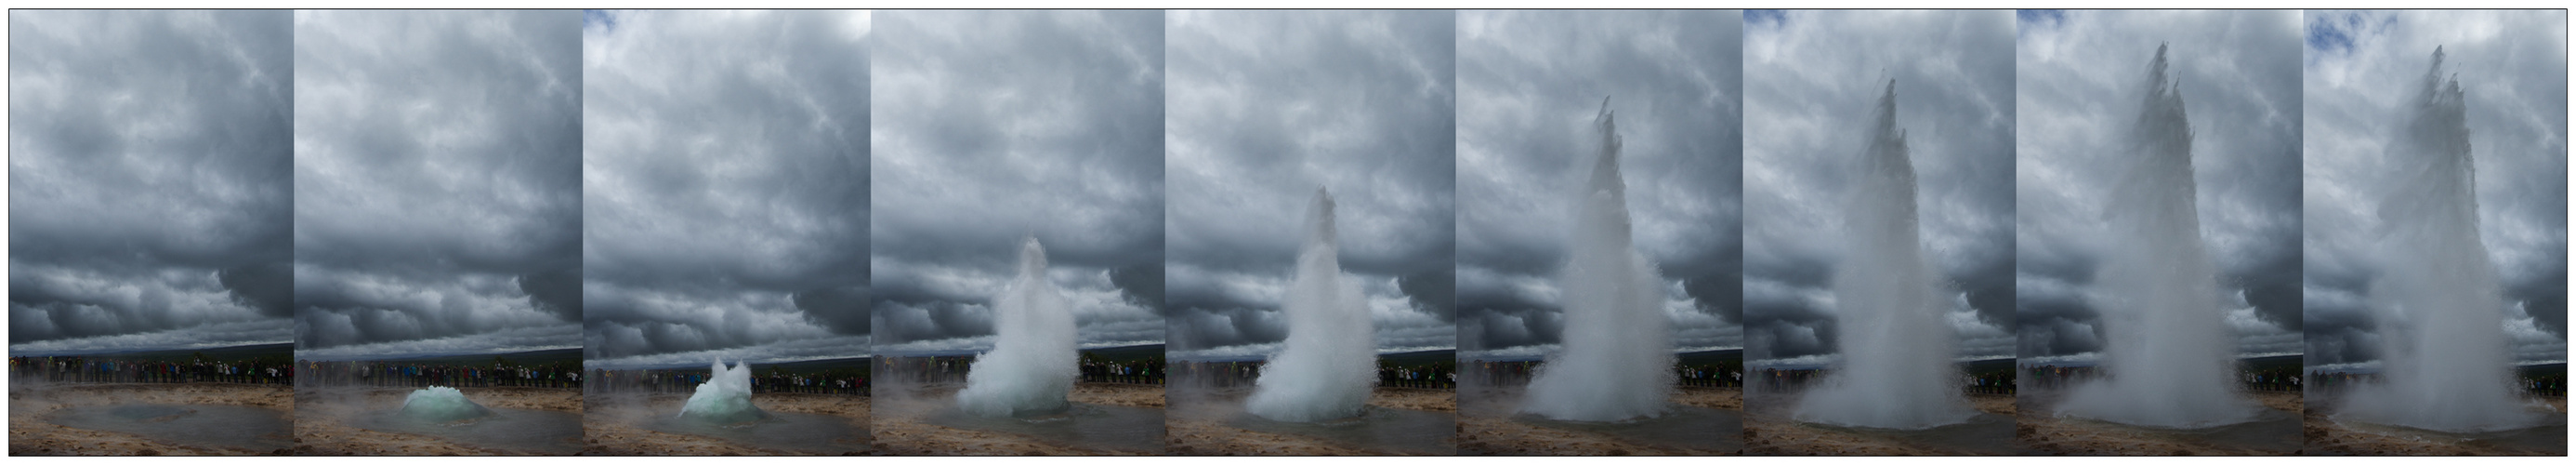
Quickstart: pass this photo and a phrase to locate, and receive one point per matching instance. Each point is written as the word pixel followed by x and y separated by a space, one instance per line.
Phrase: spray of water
pixel 1031 367
pixel 1896 370
pixel 1329 363
pixel 441 404
pixel 725 398
pixel 2437 298
pixel 1618 352
pixel 2170 353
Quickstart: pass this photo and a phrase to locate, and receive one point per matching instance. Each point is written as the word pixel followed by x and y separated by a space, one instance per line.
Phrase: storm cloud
pixel 2360 70
pixel 725 186
pixel 2079 75
pixel 1809 77
pixel 437 182
pixel 991 126
pixel 1268 106
pixel 1529 84
pixel 150 197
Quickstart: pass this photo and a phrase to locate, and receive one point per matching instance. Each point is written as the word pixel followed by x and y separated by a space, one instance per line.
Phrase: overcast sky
pixel 149 191
pixel 991 126
pixel 1529 85
pixel 1809 79
pixel 437 182
pixel 724 186
pixel 2081 76
pixel 1268 106
pixel 2361 69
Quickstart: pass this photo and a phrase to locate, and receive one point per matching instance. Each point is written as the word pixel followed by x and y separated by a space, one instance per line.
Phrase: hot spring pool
pixel 252 429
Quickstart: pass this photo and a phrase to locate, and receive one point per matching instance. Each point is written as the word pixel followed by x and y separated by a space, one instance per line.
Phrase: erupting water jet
pixel 1329 362
pixel 2445 364
pixel 1896 370
pixel 2170 355
pixel 725 398
pixel 441 404
pixel 1618 356
pixel 1031 368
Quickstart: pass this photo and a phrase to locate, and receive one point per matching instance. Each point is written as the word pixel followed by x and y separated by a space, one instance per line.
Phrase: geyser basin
pixel 1397 431
pixel 725 399
pixel 1082 425
pixel 802 433
pixel 441 404
pixel 1329 360
pixel 250 429
pixel 1031 369
pixel 1672 427
pixel 544 432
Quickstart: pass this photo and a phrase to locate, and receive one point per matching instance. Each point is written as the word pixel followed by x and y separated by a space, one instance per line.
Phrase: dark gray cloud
pixel 725 190
pixel 2079 90
pixel 438 182
pixel 990 126
pixel 150 191
pixel 1529 83
pixel 2359 70
pixel 1268 106
pixel 1811 76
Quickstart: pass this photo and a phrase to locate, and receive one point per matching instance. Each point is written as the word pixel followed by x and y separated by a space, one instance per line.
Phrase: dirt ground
pixel 31 435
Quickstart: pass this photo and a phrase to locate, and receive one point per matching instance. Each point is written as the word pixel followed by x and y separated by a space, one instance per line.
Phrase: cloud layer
pixel 991 126
pixel 150 196
pixel 1810 77
pixel 724 186
pixel 1268 106
pixel 1529 83
pixel 2359 69
pixel 2080 75
pixel 437 181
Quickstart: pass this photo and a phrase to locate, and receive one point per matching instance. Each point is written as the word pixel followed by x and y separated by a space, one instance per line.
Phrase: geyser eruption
pixel 441 404
pixel 725 398
pixel 1896 370
pixel 1031 367
pixel 2170 354
pixel 1330 360
pixel 2445 365
pixel 1617 356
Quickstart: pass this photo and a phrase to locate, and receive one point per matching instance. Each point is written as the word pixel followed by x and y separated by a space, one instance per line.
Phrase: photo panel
pixel 151 209
pixel 2434 195
pixel 725 232
pixel 438 238
pixel 1016 236
pixel 1878 234
pixel 1599 248
pixel 2158 231
pixel 1313 167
